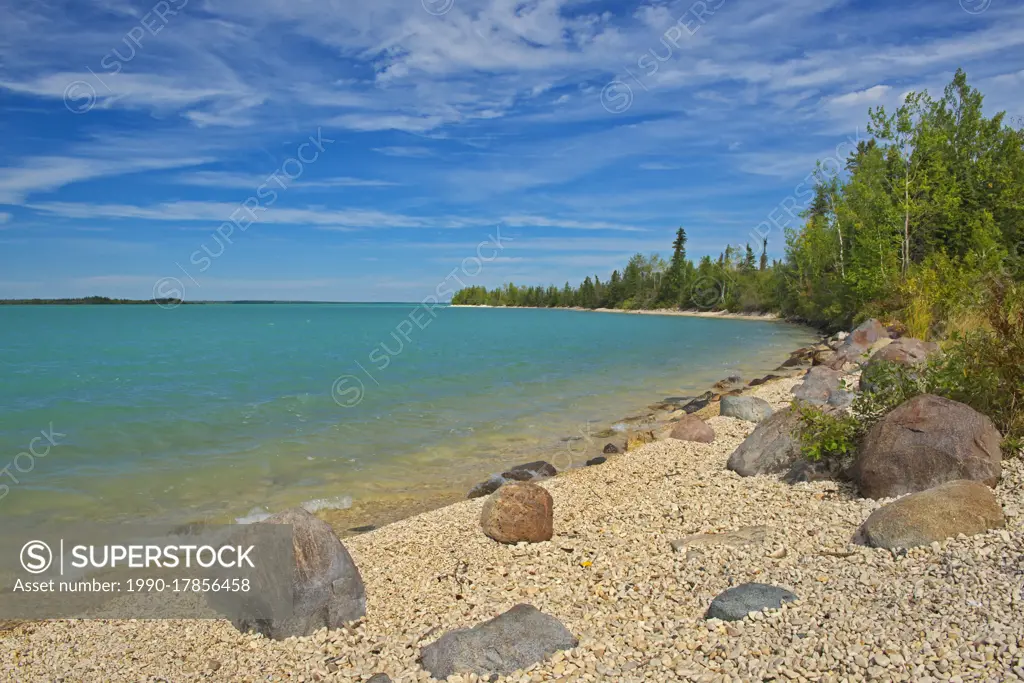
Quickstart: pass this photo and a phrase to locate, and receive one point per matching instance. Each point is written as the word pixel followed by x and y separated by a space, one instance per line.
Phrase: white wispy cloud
pixel 522 220
pixel 189 211
pixel 245 181
pixel 46 173
pixel 401 151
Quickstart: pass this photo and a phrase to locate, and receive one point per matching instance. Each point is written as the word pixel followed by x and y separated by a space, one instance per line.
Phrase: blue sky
pixel 132 132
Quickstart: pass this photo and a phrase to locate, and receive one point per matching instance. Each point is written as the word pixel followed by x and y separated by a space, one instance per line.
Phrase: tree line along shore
pixel 923 229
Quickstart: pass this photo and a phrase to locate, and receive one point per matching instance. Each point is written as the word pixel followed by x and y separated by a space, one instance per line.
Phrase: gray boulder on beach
pixel 511 641
pixel 927 441
pixel 908 352
pixel 739 601
pixel 771 448
pixel 819 385
pixel 859 342
pixel 956 507
pixel 327 590
pixel 747 408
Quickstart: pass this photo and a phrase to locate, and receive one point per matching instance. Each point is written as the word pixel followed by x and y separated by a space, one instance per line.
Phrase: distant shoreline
pixel 722 315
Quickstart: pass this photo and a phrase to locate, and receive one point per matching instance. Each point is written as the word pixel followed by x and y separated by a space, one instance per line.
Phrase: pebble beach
pixel 951 611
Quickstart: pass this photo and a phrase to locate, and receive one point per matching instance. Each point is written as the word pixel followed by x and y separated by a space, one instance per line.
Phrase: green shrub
pixel 984 367
pixel 827 436
pixel 887 385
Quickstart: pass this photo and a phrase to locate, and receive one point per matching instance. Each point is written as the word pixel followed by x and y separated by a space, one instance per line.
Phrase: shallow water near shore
pixel 221 412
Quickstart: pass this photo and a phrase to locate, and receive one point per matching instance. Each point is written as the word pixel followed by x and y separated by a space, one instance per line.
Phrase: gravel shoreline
pixel 947 612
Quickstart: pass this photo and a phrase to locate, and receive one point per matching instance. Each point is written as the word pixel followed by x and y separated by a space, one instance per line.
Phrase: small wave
pixel 336 503
pixel 257 514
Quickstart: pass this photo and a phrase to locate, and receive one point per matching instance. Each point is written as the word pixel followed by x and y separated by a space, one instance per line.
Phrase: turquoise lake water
pixel 217 412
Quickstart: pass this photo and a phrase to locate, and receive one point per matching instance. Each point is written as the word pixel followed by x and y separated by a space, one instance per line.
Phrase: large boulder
pixel 747 408
pixel 908 352
pixel 927 441
pixel 518 512
pixel 956 507
pixel 511 641
pixel 526 472
pixel 327 590
pixel 773 446
pixel 854 348
pixel 739 601
pixel 820 386
pixel 692 428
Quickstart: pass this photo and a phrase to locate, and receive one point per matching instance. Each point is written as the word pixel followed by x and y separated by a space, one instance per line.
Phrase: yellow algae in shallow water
pixel 635 440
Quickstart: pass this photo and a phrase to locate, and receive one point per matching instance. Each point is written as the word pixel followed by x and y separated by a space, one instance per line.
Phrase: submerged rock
pixel 763 380
pixel 527 472
pixel 635 440
pixel 729 383
pixel 511 641
pixel 610 448
pixel 702 401
pixel 538 469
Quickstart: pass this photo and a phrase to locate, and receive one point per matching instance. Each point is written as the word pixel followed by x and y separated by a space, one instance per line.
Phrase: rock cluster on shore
pixel 671 561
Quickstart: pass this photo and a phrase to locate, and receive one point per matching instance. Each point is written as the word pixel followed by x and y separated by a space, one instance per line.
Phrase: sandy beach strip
pixel 947 612
pixel 721 315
